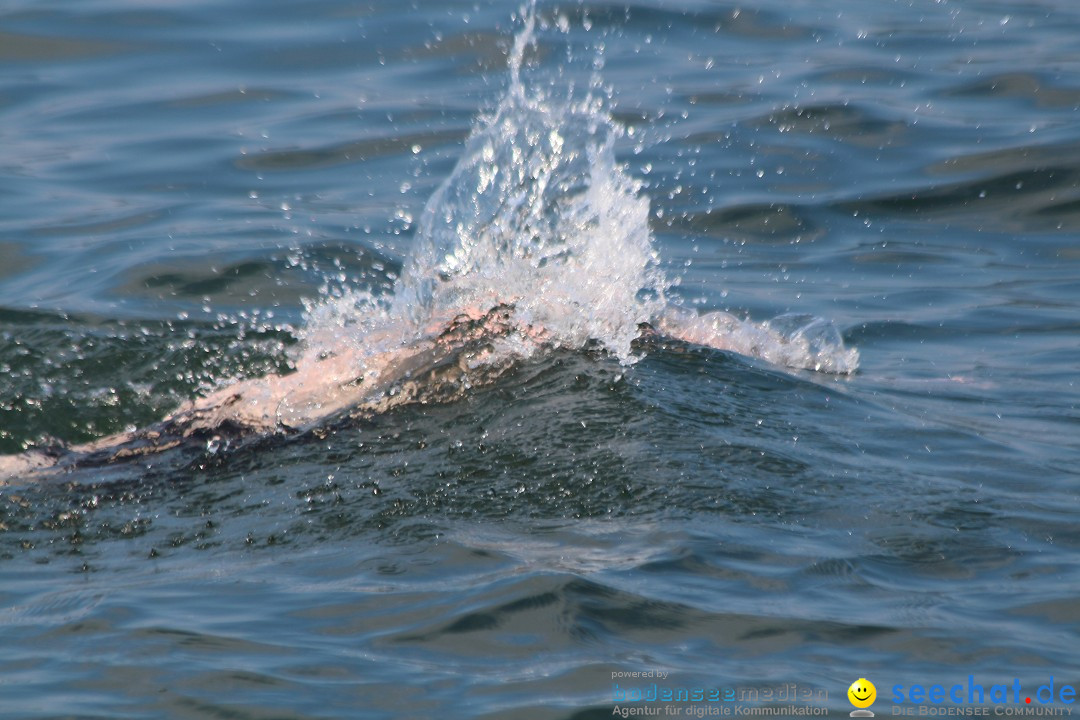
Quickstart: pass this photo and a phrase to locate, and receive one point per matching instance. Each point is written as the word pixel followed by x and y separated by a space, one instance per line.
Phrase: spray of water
pixel 539 214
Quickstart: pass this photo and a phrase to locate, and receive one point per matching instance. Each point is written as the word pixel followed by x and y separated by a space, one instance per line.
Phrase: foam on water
pixel 539 213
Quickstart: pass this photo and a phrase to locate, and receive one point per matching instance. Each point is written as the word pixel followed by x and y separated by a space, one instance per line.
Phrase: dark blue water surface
pixel 176 178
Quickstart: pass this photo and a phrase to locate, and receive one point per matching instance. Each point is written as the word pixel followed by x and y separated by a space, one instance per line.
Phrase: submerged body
pixel 473 348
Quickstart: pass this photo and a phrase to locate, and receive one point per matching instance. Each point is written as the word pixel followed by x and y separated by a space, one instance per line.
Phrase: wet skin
pixel 347 383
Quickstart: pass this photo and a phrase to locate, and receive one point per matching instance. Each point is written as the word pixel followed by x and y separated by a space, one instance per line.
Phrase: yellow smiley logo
pixel 862 693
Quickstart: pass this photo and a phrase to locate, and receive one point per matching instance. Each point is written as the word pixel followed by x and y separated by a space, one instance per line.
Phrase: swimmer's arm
pixel 319 386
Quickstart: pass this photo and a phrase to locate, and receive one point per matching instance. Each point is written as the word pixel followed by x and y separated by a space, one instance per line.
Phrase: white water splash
pixel 538 213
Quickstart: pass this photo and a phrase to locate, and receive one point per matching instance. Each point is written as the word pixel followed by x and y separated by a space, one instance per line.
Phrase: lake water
pixel 185 188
